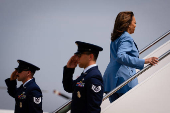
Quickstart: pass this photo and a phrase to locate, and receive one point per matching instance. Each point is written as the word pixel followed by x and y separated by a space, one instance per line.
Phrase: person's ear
pixel 29 72
pixel 91 57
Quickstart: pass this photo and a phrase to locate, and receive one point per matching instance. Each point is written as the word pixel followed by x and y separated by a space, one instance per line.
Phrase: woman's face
pixel 132 26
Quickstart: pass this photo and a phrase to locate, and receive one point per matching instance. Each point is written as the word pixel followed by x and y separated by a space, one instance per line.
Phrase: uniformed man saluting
pixel 87 89
pixel 28 96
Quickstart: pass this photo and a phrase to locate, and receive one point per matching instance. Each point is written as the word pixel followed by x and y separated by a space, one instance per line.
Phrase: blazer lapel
pixel 136 47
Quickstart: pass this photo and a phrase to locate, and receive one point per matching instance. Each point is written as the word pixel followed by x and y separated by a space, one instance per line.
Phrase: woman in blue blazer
pixel 124 56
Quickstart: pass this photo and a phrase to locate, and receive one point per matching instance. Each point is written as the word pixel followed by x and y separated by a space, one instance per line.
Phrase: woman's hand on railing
pixel 151 60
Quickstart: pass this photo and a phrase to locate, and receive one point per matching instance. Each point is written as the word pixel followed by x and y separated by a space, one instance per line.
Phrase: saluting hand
pixel 14 75
pixel 72 63
pixel 151 60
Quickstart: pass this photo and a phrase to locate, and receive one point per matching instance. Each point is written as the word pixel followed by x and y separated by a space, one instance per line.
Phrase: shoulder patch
pixel 96 88
pixel 37 100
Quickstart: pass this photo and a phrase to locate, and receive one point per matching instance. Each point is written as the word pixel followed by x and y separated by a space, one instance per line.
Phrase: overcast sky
pixel 43 32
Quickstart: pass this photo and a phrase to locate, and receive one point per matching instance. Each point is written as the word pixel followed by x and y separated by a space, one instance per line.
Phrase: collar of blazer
pixel 92 68
pixel 27 84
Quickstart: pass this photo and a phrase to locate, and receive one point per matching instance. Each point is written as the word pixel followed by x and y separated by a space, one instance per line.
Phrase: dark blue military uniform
pixel 28 98
pixel 87 90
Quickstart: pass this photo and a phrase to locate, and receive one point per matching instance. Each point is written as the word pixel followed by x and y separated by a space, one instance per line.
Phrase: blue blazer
pixel 87 90
pixel 124 59
pixel 28 99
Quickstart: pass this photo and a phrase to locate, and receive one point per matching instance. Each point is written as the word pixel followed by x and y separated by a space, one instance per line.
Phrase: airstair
pixel 151 95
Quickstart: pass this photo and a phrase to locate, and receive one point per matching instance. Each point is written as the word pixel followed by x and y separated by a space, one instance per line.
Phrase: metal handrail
pixel 134 76
pixel 154 42
pixel 67 104
pixel 66 107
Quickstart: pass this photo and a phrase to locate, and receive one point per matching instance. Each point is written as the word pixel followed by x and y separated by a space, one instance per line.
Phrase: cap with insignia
pixel 23 65
pixel 87 47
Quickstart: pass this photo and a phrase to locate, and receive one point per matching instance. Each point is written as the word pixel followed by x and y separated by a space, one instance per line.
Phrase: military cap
pixel 23 65
pixel 87 47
